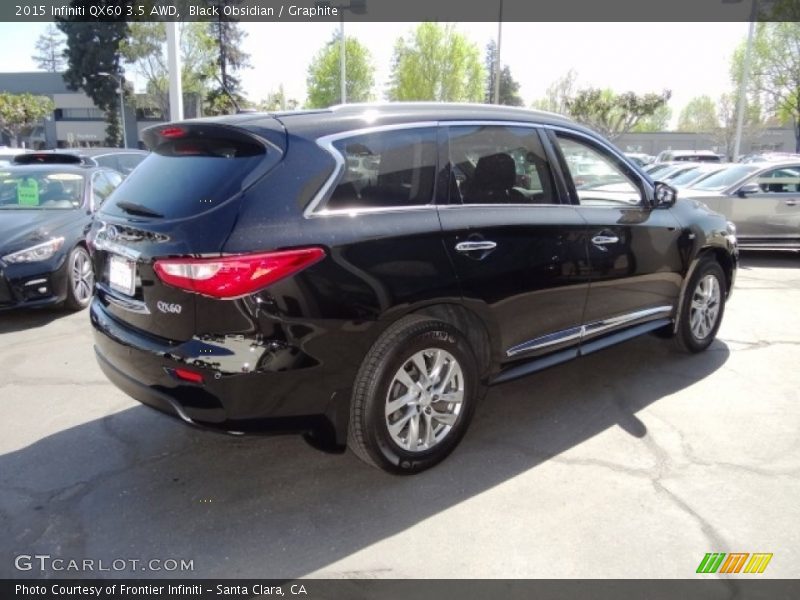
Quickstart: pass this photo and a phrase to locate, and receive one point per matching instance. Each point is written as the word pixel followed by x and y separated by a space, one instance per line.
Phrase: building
pixel 76 121
pixel 779 139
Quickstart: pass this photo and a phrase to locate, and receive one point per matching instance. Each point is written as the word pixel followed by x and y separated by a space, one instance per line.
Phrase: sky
pixel 691 59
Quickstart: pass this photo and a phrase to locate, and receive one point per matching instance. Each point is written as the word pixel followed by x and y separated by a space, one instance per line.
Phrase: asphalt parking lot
pixel 630 463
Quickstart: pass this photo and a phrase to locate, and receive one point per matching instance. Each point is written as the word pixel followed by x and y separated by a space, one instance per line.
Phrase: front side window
pixel 386 169
pixel 780 181
pixel 598 176
pixel 499 165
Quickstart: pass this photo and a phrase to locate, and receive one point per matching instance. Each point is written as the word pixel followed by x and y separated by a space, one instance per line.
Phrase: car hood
pixel 22 228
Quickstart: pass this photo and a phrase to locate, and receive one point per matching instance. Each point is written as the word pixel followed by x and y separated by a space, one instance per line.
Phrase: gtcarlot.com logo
pixel 735 562
pixel 46 562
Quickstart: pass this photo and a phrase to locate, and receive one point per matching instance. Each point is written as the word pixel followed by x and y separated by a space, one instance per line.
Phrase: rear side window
pixel 386 169
pixel 193 173
pixel 492 164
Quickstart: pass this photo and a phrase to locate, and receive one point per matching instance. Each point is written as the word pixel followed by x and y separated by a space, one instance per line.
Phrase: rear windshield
pixel 724 179
pixel 189 176
pixel 40 189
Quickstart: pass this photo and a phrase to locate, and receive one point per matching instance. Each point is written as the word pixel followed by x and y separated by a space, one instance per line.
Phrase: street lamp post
pixel 497 55
pixel 121 91
pixel 357 7
pixel 748 54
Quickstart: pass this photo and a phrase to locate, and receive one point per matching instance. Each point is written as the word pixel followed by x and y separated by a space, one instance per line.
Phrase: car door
pixel 771 214
pixel 519 252
pixel 635 265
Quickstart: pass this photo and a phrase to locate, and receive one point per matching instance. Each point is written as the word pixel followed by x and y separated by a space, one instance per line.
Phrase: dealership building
pixel 76 121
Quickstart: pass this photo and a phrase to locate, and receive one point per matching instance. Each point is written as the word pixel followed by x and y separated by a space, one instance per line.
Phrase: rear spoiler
pixel 52 158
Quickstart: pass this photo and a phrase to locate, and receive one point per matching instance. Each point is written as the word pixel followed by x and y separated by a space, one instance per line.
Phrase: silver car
pixel 761 199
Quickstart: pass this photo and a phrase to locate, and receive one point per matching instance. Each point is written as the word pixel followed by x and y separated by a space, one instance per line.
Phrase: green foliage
pixel 19 112
pixel 613 114
pixel 775 70
pixel 227 35
pixel 50 50
pixel 658 121
pixel 145 51
pixel 699 115
pixel 93 47
pixel 435 62
pixel 558 94
pixel 324 73
pixel 276 101
pixel 509 87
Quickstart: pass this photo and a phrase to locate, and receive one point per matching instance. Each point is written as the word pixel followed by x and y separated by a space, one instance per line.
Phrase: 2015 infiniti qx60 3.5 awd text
pixel 361 274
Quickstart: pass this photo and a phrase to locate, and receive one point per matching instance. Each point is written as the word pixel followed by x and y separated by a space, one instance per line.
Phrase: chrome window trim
pixel 326 143
pixel 583 331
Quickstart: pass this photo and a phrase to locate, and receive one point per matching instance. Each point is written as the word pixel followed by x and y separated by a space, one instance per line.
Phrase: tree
pixel 725 134
pixel 324 73
pixel 775 70
pixel 613 114
pixel 93 47
pixel 19 112
pixel 509 87
pixel 557 94
pixel 435 62
pixel 699 115
pixel 658 121
pixel 145 51
pixel 227 36
pixel 277 101
pixel 50 50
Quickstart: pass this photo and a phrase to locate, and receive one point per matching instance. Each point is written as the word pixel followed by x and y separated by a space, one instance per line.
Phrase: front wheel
pixel 80 279
pixel 414 396
pixel 703 307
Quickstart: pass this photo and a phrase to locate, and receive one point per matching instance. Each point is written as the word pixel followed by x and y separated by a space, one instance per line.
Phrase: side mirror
pixel 748 188
pixel 664 195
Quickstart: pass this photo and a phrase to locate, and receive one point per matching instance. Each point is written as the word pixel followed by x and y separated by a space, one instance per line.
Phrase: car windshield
pixel 38 189
pixel 725 178
pixel 688 176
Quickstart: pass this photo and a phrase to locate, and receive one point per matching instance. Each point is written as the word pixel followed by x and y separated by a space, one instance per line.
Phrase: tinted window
pixel 723 179
pixel 386 169
pixel 600 178
pixel 192 174
pixel 780 181
pixel 103 184
pixel 499 165
pixel 39 189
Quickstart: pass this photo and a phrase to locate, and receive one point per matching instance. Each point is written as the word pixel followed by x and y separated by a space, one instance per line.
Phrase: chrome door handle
pixel 790 202
pixel 602 240
pixel 473 246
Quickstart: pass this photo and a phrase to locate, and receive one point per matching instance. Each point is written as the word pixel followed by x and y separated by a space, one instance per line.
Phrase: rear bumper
pixel 288 401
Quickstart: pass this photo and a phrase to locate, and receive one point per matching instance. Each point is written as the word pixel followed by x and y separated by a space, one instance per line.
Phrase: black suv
pixel 361 274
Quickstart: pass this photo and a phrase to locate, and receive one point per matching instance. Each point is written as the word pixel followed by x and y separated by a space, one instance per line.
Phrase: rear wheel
pixel 80 279
pixel 414 396
pixel 703 307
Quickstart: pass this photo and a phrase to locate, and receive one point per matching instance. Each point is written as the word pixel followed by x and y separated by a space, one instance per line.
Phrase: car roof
pixel 60 167
pixel 347 117
pixel 98 151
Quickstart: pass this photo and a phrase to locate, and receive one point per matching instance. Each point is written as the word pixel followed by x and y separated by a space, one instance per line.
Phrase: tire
pixel 448 390
pixel 80 279
pixel 703 307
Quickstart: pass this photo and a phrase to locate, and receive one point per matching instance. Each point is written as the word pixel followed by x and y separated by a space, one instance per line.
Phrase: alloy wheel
pixel 705 307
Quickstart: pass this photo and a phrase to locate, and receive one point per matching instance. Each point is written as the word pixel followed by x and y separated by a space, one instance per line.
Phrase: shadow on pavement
pixel 769 260
pixel 20 319
pixel 138 485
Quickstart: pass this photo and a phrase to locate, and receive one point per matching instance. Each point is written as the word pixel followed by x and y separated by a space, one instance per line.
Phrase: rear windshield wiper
pixel 137 209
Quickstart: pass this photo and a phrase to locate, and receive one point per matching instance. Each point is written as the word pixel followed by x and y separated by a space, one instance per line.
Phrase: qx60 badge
pixel 166 307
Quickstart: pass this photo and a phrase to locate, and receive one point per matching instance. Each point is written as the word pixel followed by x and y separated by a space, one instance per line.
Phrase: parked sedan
pixel 122 160
pixel 45 212
pixel 761 199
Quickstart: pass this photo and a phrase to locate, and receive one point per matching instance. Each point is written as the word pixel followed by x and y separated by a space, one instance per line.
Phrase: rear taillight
pixel 230 277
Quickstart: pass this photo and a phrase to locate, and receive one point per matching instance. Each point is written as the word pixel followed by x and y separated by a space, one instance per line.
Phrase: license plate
pixel 122 275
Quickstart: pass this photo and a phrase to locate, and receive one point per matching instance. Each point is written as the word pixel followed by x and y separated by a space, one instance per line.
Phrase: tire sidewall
pixel 432 335
pixel 692 343
pixel 72 302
